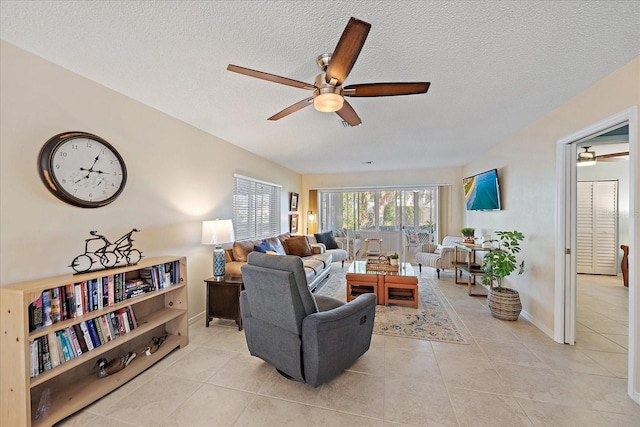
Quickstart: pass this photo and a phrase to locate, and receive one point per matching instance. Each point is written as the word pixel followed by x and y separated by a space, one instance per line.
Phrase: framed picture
pixel 293 223
pixel 293 201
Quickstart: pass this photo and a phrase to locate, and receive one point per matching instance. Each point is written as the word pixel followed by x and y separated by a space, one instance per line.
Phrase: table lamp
pixel 217 233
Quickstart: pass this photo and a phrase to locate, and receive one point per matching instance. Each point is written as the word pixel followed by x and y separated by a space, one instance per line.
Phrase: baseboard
pixel 537 324
pixel 196 318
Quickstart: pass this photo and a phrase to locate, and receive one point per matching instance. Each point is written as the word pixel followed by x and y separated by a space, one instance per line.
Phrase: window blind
pixel 256 208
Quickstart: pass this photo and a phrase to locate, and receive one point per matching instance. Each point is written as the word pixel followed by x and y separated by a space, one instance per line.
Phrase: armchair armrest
pixel 347 328
pixel 429 248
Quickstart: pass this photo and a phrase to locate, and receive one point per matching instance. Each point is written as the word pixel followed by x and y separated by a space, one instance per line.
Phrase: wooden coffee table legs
pixel 389 289
pixel 401 290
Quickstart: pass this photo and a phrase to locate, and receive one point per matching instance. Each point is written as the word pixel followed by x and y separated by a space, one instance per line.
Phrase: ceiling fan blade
pixel 612 155
pixel 270 77
pixel 292 109
pixel 347 50
pixel 349 115
pixel 386 89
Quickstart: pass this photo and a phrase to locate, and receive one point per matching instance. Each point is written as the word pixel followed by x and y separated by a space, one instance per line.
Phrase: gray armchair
pixel 307 338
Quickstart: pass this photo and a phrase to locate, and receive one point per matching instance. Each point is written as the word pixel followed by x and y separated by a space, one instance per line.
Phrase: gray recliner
pixel 306 337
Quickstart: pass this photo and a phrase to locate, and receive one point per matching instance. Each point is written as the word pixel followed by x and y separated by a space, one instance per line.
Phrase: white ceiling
pixel 494 67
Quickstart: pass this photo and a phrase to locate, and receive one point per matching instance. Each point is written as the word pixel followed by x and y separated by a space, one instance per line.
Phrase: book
pixel 95 339
pixel 87 336
pixel 98 326
pixel 119 282
pixel 111 292
pixel 100 286
pixel 47 320
pixel 64 309
pixel 77 291
pixel 55 305
pixel 73 339
pixel 132 317
pixel 94 294
pixel 46 356
pixel 54 350
pixel 120 324
pixel 71 301
pixel 80 337
pixel 33 360
pixel 113 324
pixel 35 314
pixel 65 345
pixel 40 359
pixel 86 295
pixel 125 320
pixel 105 291
pixel 105 328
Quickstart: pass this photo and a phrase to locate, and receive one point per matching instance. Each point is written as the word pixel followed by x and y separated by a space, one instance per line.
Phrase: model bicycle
pixel 107 254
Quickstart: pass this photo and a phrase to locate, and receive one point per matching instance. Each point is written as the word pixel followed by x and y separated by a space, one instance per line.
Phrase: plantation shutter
pixel 597 226
pixel 256 208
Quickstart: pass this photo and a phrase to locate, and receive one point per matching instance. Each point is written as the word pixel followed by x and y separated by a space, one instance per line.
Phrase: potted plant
pixel 468 234
pixel 500 262
pixel 393 258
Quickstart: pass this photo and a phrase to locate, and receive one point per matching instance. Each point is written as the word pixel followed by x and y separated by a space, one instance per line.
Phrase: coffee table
pixel 389 287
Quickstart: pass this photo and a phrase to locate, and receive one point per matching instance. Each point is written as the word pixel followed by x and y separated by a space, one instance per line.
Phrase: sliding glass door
pixel 381 213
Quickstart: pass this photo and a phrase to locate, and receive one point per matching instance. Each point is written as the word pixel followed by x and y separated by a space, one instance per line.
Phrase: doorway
pixel 566 277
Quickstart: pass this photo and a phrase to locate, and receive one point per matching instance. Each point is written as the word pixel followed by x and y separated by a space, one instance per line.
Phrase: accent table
pixel 223 299
pixel 469 267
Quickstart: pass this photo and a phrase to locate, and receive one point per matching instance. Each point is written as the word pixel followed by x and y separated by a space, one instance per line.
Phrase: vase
pixel 504 304
pixel 469 239
pixel 393 261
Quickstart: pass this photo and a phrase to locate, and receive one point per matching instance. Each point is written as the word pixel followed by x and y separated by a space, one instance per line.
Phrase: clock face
pixel 82 169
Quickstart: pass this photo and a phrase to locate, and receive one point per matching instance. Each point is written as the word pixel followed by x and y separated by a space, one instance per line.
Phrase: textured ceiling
pixel 494 67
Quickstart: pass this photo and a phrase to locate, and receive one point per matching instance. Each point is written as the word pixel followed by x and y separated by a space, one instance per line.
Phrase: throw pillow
pixel 276 245
pixel 297 245
pixel 263 247
pixel 328 239
pixel 438 249
pixel 241 248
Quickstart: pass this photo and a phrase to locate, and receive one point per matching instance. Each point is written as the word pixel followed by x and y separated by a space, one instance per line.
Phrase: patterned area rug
pixel 429 322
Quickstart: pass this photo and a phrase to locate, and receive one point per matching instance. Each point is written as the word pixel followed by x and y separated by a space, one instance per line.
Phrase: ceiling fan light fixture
pixel 587 158
pixel 328 99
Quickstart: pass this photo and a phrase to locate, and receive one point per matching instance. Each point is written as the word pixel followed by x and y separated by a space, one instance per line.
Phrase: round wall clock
pixel 82 169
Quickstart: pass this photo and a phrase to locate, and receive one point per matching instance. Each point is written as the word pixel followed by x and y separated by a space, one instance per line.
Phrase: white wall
pixel 527 172
pixel 178 175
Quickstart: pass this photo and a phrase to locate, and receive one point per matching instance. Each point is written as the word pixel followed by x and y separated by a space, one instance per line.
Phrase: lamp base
pixel 218 263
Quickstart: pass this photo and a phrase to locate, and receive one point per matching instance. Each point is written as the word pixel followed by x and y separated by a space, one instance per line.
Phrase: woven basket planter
pixel 504 304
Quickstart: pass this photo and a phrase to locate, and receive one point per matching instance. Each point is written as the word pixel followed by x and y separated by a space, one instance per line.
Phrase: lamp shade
pixel 217 232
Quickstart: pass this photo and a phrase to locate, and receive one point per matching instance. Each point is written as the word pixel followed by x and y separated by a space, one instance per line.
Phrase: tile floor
pixel 510 374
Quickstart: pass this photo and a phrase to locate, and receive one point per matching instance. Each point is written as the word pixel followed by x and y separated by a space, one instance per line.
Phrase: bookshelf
pixel 74 383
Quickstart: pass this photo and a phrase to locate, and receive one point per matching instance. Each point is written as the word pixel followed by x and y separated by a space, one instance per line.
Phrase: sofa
pixel 315 258
pixel 439 256
pixel 353 242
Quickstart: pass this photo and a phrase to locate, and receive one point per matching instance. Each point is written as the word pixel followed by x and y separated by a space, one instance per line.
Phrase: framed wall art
pixel 293 201
pixel 293 223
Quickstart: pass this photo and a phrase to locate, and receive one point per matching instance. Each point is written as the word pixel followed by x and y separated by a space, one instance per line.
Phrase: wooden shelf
pixel 74 384
pixel 91 388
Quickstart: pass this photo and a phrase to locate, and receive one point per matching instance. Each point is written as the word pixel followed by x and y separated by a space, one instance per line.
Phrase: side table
pixel 223 299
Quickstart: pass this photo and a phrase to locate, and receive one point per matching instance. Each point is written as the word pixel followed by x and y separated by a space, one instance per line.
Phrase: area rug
pixel 430 321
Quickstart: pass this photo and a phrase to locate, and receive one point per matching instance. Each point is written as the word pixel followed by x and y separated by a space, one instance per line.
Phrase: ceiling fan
pixel 328 92
pixel 589 158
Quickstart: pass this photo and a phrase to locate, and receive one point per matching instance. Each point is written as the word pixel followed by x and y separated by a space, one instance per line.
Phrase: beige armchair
pixel 440 256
